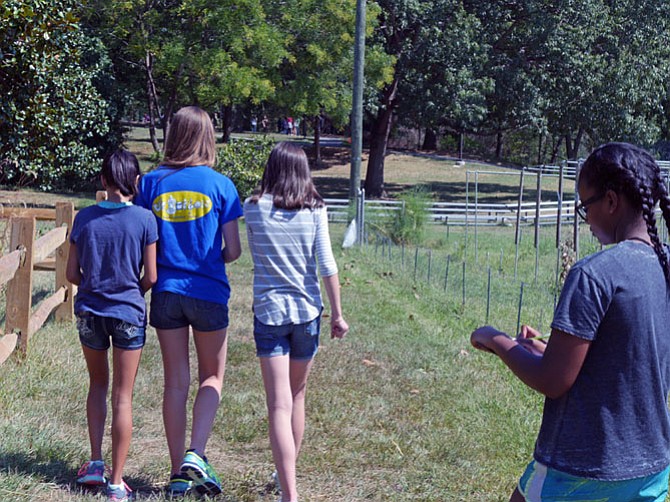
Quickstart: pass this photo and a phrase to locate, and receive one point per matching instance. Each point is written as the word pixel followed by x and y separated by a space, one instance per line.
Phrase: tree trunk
pixel 578 141
pixel 317 141
pixel 151 101
pixel 569 150
pixel 381 128
pixel 430 140
pixel 499 145
pixel 226 121
pixel 172 101
pixel 554 150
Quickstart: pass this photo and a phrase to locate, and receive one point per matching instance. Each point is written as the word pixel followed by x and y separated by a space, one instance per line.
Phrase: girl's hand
pixel 338 327
pixel 532 340
pixel 482 338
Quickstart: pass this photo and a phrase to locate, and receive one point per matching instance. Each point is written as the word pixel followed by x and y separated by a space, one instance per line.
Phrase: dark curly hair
pixel 633 172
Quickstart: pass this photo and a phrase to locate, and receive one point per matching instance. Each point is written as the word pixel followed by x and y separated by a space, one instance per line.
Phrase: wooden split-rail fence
pixel 27 255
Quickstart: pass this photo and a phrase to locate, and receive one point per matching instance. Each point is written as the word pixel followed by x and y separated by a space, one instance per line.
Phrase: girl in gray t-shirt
pixel 605 371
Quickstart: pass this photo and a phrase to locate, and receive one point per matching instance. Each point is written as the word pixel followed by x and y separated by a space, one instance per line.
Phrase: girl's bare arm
pixel 150 269
pixel 552 373
pixel 72 271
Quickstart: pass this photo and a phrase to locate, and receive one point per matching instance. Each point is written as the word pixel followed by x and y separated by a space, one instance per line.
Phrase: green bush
pixel 243 161
pixel 51 115
pixel 406 225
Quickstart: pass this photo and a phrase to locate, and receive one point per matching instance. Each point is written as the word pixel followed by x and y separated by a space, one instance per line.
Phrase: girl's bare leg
pixel 516 496
pixel 177 378
pixel 125 363
pixel 211 347
pixel 96 401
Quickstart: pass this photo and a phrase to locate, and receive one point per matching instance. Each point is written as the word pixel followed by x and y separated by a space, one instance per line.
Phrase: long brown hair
pixel 190 139
pixel 288 179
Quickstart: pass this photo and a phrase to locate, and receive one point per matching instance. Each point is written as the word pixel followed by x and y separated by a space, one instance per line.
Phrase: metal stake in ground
pixel 518 317
pixel 446 274
pixel 488 296
pixel 517 232
pixel 464 283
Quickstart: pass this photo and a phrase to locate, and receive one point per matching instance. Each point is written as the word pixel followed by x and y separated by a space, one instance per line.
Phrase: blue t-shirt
pixel 613 423
pixel 110 248
pixel 191 206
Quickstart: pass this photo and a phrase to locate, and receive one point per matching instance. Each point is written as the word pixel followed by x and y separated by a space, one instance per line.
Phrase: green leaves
pixel 51 114
pixel 243 161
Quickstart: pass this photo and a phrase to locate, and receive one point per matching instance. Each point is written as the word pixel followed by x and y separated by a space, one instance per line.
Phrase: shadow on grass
pixel 62 474
pixel 487 193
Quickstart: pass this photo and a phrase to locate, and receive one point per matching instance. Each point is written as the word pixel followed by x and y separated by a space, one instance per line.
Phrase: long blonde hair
pixel 190 139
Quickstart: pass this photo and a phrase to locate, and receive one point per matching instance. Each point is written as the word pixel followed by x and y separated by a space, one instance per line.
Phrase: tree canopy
pixel 568 74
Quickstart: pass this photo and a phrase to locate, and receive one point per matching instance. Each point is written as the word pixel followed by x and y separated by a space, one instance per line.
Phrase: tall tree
pixel 437 56
pixel 315 78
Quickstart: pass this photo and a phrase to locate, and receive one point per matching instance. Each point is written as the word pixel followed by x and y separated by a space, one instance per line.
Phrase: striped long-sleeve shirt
pixel 286 246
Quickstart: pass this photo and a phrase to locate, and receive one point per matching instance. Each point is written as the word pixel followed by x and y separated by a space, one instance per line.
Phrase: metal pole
pixel 357 105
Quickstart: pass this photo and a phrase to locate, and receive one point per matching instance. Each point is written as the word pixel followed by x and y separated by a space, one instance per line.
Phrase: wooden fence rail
pixel 16 269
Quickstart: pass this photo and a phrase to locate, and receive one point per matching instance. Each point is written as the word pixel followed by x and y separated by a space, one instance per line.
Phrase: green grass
pixel 402 409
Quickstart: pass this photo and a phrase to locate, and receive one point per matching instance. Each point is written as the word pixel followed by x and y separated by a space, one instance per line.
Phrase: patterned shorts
pixel 96 331
pixel 543 484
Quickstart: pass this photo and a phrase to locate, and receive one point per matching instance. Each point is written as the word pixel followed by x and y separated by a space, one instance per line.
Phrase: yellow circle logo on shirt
pixel 181 206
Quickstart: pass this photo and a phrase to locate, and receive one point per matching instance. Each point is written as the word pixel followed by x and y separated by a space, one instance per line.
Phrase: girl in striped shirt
pixel 287 230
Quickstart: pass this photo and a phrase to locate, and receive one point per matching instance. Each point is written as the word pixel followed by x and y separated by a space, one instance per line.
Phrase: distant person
pixel 287 230
pixel 111 242
pixel 605 371
pixel 289 126
pixel 296 126
pixel 265 123
pixel 196 209
pixel 254 124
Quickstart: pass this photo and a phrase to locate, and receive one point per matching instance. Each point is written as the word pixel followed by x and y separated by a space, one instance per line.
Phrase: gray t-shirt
pixel 613 423
pixel 110 247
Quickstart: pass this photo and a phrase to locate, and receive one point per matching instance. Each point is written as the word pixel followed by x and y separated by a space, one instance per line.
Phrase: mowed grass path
pixel 402 409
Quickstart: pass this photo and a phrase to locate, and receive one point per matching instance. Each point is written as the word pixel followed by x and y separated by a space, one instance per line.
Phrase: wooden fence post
pixel 20 288
pixel 64 216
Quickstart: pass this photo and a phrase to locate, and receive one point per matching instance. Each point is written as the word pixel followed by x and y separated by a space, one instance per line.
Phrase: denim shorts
pixel 95 332
pixel 543 484
pixel 299 341
pixel 172 311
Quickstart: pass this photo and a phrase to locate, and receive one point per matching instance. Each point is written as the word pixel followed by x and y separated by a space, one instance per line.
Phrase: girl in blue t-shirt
pixel 110 244
pixel 196 209
pixel 605 371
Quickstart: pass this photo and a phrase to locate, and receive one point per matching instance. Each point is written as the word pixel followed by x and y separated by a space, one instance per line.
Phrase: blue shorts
pixel 95 332
pixel 543 484
pixel 299 341
pixel 171 311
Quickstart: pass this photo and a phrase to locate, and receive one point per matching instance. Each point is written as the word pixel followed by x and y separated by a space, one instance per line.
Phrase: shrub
pixel 406 225
pixel 243 161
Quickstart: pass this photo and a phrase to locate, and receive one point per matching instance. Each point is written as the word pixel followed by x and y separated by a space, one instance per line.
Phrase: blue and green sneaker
pixel 196 468
pixel 178 486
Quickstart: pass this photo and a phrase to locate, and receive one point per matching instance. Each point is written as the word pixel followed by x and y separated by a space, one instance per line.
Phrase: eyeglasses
pixel 583 206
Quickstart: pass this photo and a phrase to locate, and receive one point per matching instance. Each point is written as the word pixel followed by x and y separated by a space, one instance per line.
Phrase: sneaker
pixel 121 493
pixel 92 473
pixel 205 481
pixel 179 486
pixel 275 480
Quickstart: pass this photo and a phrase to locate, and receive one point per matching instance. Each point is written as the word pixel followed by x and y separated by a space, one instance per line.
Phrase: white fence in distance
pixel 462 214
